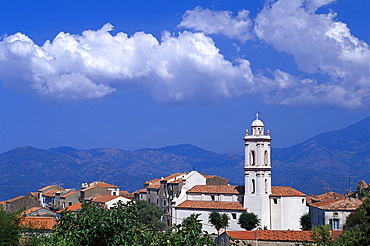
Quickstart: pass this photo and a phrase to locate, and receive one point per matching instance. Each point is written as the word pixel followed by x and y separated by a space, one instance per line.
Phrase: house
pixel 109 201
pixel 126 194
pixel 333 212
pixel 67 198
pixel 22 202
pixel 47 196
pixel 39 212
pixel 264 237
pixel 97 187
pixel 327 196
pixel 203 199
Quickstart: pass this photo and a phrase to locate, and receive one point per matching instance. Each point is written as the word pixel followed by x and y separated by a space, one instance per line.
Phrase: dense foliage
pixel 10 227
pixel 93 225
pixel 150 214
pixel 248 221
pixel 218 220
pixel 305 221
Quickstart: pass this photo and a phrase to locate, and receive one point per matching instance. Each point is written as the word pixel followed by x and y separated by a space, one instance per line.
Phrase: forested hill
pixel 321 163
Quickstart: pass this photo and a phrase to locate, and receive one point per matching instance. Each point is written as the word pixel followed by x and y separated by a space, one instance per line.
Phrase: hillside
pixel 320 163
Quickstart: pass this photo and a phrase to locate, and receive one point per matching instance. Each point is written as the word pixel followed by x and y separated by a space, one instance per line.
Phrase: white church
pixel 277 207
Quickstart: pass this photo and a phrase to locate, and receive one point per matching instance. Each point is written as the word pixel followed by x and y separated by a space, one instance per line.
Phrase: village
pixel 279 208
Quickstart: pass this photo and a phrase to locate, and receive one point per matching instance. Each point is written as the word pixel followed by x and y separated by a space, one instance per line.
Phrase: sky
pixel 134 74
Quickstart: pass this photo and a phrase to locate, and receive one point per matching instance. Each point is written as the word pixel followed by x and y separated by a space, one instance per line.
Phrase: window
pixel 302 200
pixel 233 215
pixel 149 200
pixel 69 203
pixel 266 186
pixel 114 193
pixel 253 186
pixel 266 158
pixel 252 158
pixel 212 197
pixel 164 203
pixel 334 224
pixel 275 201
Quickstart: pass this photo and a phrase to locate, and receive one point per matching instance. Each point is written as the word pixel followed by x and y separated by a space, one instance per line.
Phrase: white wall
pixel 112 202
pixel 182 213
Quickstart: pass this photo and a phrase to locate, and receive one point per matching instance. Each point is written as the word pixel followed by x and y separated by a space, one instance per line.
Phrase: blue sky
pixel 147 74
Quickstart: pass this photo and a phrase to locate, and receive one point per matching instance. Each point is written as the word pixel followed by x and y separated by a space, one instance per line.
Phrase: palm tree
pixel 218 220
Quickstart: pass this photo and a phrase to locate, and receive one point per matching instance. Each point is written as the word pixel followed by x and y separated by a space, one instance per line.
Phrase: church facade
pixel 277 207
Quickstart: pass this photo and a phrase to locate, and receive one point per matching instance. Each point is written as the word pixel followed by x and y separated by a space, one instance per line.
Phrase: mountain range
pixel 334 160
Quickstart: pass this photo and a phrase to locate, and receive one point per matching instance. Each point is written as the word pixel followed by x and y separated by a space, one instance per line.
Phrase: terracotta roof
pixel 46 187
pixel 154 186
pixel 212 176
pixel 172 176
pixel 324 197
pixel 152 181
pixel 126 194
pixel 52 192
pixel 105 185
pixel 34 209
pixel 285 191
pixel 271 235
pixel 211 205
pixel 140 191
pixel 69 193
pixel 103 198
pixel 39 222
pixel 16 198
pixel 180 180
pixel 2 202
pixel 35 194
pixel 339 204
pixel 73 207
pixel 217 189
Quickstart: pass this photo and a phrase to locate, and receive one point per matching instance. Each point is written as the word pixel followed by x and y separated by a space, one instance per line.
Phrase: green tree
pixel 305 221
pixel 218 220
pixel 150 214
pixel 248 221
pixel 10 227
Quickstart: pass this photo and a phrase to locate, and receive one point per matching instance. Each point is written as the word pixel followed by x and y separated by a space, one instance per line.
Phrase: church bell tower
pixel 257 171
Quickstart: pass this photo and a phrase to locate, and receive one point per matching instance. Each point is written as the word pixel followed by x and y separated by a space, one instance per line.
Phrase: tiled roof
pixel 285 191
pixel 73 207
pixel 140 191
pixel 69 193
pixel 46 187
pixel 212 176
pixel 271 235
pixel 51 193
pixel 324 197
pixel 339 204
pixel 126 194
pixel 39 222
pixel 104 198
pixel 172 176
pixel 180 180
pixel 152 181
pixel 217 189
pixel 2 202
pixel 105 185
pixel 35 194
pixel 154 186
pixel 211 205
pixel 16 198
pixel 34 209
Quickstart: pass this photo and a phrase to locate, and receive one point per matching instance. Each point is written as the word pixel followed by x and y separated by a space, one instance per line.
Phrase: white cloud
pixel 219 22
pixel 188 67
pixel 319 44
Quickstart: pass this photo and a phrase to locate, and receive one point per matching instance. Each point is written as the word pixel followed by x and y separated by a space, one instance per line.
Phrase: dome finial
pixel 257 116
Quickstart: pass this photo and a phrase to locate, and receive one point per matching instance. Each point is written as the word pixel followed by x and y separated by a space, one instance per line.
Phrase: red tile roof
pixel 152 181
pixel 140 191
pixel 34 209
pixel 16 198
pixel 217 189
pixel 172 176
pixel 339 204
pixel 69 193
pixel 73 207
pixel 46 187
pixel 211 205
pixel 285 191
pixel 103 198
pixel 180 180
pixel 271 235
pixel 154 186
pixel 52 192
pixel 39 222
pixel 105 185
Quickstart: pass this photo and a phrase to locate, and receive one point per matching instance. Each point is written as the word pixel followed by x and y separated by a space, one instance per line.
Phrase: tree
pixel 248 221
pixel 150 214
pixel 218 220
pixel 305 221
pixel 10 227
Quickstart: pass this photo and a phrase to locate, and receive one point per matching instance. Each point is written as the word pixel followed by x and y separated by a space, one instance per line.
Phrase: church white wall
pixel 180 214
pixel 286 212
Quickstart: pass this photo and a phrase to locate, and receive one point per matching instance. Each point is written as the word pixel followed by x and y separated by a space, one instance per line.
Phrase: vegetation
pixel 218 220
pixel 10 227
pixel 305 221
pixel 150 214
pixel 93 225
pixel 248 221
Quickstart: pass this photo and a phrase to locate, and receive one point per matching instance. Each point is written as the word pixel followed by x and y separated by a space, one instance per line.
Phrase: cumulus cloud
pixel 319 45
pixel 177 68
pixel 219 22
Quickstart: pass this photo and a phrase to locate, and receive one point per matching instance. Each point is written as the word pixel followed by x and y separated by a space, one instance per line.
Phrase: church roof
pixel 217 189
pixel 211 205
pixel 285 191
pixel 339 204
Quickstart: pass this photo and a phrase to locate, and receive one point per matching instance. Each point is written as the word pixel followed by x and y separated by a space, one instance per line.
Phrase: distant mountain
pixel 322 162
